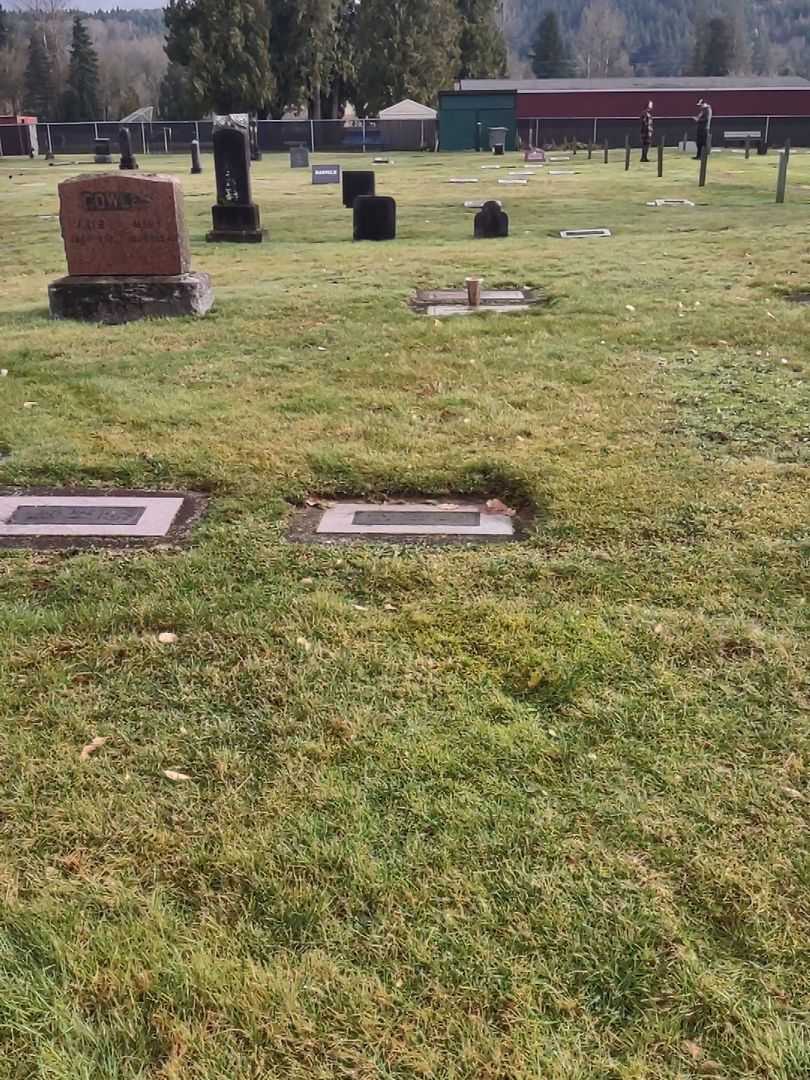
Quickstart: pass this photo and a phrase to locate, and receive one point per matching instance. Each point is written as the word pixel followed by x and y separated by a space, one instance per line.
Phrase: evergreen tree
pixel 223 44
pixel 38 77
pixel 81 96
pixel 549 55
pixel 719 52
pixel 483 49
pixel 407 48
pixel 5 33
pixel 176 100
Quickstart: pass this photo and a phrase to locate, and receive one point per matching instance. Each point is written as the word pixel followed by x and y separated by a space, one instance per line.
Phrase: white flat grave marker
pixel 513 181
pixel 31 520
pixel 86 515
pixel 671 202
pixel 463 180
pixel 562 172
pixel 478 204
pixel 414 519
pixel 560 157
pixel 583 234
pixel 490 166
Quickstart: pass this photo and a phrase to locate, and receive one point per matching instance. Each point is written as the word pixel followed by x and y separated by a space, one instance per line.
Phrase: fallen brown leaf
pixel 693 1049
pixel 92 746
pixel 172 774
pixel 495 506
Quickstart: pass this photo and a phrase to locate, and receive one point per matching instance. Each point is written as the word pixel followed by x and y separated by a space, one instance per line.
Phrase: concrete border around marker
pixel 168 525
pixel 306 525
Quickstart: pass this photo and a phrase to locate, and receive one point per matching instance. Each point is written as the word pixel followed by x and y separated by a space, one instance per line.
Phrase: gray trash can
pixel 497 137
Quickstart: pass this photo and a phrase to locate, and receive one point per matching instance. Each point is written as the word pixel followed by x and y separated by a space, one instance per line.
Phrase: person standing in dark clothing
pixel 704 127
pixel 647 131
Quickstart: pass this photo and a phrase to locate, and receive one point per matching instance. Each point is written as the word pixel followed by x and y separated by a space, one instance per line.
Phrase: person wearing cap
pixel 704 127
pixel 647 128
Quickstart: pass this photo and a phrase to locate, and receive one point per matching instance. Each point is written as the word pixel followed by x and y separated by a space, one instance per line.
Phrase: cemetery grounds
pixel 535 810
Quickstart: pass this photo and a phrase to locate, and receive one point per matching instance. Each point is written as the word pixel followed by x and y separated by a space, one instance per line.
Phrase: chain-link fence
pixel 561 131
pixel 174 136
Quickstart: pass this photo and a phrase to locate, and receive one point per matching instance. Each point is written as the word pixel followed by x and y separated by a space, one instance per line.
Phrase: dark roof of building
pixel 728 82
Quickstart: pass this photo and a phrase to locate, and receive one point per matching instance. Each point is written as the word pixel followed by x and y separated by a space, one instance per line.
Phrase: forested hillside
pixel 658 37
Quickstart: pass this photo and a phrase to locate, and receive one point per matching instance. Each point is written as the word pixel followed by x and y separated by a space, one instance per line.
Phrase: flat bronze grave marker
pixel 446 521
pixel 443 303
pixel 44 518
pixel 583 234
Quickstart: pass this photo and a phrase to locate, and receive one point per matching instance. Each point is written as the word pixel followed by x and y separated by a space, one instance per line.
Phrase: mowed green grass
pixel 536 812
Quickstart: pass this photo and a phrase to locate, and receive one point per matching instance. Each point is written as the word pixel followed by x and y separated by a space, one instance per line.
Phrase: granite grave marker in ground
pixel 236 217
pixel 103 152
pixel 127 162
pixel 76 518
pixel 325 174
pixel 299 157
pixel 375 217
pixel 127 251
pixel 491 222
pixel 355 183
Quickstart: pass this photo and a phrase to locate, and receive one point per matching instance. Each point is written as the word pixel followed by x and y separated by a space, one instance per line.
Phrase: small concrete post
pixel 607 149
pixel 196 164
pixel 661 156
pixel 747 149
pixel 626 152
pixel 781 176
pixel 704 161
pixel 590 150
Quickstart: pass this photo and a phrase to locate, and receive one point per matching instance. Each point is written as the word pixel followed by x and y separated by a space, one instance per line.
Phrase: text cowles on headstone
pixel 325 174
pixel 127 251
pixel 299 157
pixel 491 222
pixel 127 162
pixel 236 218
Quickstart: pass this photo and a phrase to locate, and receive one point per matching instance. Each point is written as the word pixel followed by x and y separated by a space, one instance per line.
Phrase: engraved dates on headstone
pixel 77 515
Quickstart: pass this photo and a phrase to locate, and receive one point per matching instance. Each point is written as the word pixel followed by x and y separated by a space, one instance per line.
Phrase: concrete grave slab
pixel 450 521
pixel 562 172
pixel 50 518
pixel 583 234
pixel 477 204
pixel 445 303
pixel 670 202
pixel 464 180
pixel 514 182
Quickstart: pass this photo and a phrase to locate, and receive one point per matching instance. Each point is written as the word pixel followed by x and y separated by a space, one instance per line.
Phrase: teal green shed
pixel 461 111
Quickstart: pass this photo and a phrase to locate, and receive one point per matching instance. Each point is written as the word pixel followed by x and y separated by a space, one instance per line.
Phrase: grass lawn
pixel 534 812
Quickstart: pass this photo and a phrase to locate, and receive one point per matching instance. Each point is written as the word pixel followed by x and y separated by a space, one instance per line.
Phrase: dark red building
pixel 549 110
pixel 18 136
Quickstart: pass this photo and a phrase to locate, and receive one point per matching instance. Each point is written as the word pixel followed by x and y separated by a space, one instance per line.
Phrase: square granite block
pixel 414 519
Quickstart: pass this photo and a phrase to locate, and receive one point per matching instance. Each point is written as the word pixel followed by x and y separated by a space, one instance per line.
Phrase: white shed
pixel 408 110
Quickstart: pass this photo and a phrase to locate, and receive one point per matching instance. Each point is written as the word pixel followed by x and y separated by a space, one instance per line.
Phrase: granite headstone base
pixel 123 299
pixel 236 224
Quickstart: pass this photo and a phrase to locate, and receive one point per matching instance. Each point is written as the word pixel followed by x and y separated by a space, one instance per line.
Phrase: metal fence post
pixel 607 150
pixel 594 130
pixel 165 140
pixel 312 136
pixel 767 128
pixel 704 161
pixel 661 155
pixel 364 135
pixel 143 138
pixel 50 143
pixel 196 131
pixel 626 152
pixel 781 177
pixel 95 131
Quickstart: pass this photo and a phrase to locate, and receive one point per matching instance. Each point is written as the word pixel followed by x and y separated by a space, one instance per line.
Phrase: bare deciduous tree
pixel 601 40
